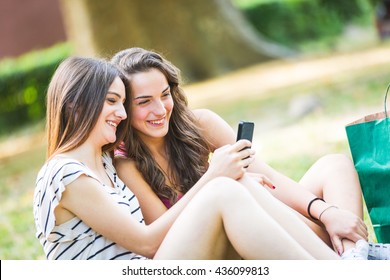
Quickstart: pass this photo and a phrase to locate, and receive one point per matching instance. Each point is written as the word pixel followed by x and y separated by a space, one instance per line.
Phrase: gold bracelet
pixel 332 206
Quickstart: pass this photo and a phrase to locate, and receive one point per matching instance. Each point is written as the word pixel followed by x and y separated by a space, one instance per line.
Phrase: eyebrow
pixel 117 94
pixel 148 96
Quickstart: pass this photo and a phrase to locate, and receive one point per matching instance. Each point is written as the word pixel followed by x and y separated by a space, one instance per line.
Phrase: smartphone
pixel 245 130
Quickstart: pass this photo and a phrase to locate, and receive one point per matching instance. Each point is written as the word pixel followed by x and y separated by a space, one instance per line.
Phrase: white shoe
pixel 360 252
pixel 379 251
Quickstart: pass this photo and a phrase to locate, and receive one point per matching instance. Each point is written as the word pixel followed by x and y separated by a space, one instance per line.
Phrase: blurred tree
pixel 375 2
pixel 382 19
pixel 204 38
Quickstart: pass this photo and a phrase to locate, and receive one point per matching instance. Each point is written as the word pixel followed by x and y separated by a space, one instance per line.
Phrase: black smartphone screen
pixel 245 130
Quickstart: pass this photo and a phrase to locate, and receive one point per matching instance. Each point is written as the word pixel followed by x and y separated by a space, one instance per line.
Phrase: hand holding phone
pixel 245 131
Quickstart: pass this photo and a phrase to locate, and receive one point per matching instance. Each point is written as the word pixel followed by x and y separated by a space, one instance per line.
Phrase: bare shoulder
pixel 126 167
pixel 122 163
pixel 128 172
pixel 205 116
pixel 216 130
pixel 201 113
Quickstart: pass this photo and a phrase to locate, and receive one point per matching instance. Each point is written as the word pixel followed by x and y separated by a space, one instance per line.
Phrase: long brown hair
pixel 187 149
pixel 75 99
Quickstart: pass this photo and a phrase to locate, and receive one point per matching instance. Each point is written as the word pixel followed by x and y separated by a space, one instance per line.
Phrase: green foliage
pixel 294 23
pixel 23 84
pixel 17 181
pixel 242 4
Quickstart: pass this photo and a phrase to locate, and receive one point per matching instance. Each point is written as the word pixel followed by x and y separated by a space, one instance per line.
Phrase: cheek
pixel 138 115
pixel 169 105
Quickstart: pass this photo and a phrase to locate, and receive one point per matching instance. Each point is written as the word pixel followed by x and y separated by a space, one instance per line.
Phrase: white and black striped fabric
pixel 74 239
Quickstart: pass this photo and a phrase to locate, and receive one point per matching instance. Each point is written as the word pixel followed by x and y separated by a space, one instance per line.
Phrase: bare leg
pixel 334 178
pixel 289 220
pixel 225 214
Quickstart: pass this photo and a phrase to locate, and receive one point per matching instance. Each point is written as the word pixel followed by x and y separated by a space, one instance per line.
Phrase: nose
pixel 159 108
pixel 121 112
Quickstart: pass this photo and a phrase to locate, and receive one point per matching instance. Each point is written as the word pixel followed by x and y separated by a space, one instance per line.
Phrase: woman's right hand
pixel 231 160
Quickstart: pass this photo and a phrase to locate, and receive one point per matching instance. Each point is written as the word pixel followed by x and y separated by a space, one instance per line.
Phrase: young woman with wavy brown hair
pixel 167 148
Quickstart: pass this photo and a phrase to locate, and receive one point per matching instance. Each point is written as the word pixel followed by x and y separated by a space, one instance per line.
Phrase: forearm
pixel 182 203
pixel 288 191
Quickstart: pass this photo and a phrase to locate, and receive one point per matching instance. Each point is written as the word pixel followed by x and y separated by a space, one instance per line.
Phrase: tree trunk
pixel 204 38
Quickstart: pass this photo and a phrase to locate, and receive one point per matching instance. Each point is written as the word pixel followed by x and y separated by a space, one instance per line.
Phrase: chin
pixel 160 134
pixel 111 140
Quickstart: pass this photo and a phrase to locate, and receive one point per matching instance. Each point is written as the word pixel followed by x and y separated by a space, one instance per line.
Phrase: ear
pixel 70 111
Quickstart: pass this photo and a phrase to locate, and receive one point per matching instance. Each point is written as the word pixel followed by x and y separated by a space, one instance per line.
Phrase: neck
pixel 92 158
pixel 88 154
pixel 155 145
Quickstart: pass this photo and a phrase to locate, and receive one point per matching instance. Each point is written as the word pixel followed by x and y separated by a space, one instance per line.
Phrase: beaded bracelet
pixel 310 203
pixel 332 206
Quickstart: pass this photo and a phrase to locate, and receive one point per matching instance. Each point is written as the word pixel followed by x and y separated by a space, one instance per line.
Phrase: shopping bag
pixel 369 143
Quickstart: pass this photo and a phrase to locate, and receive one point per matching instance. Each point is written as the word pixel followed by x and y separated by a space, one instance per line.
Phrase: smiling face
pixel 112 114
pixel 152 104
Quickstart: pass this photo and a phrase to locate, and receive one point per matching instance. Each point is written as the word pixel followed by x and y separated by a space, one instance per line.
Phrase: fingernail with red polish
pixel 273 187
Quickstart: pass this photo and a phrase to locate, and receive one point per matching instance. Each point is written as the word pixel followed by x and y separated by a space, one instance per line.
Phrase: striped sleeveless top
pixel 74 239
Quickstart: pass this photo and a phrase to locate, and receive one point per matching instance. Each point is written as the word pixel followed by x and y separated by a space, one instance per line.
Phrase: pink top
pixel 121 151
pixel 166 201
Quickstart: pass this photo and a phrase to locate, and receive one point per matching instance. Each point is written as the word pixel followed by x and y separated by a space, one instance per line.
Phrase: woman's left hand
pixel 261 179
pixel 343 224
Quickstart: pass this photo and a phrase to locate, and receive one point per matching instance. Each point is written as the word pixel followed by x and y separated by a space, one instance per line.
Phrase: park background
pixel 300 69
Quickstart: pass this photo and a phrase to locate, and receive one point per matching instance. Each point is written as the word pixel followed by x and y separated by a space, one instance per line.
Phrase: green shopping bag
pixel 369 142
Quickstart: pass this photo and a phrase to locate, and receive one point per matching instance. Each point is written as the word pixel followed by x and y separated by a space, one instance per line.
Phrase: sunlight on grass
pixel 17 182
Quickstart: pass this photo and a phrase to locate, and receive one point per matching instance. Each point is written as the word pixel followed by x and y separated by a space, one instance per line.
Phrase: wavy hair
pixel 75 99
pixel 185 144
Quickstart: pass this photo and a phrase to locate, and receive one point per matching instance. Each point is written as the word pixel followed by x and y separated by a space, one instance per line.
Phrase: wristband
pixel 310 203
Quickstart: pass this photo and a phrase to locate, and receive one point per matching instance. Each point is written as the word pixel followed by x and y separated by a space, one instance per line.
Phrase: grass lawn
pixel 286 136
pixel 17 181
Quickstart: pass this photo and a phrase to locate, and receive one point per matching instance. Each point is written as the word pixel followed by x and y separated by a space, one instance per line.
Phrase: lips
pixel 157 122
pixel 114 124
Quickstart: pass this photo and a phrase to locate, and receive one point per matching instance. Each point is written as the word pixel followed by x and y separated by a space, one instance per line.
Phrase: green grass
pixel 17 182
pixel 341 96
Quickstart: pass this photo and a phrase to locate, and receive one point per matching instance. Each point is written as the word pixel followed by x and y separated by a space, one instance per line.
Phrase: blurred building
pixel 26 25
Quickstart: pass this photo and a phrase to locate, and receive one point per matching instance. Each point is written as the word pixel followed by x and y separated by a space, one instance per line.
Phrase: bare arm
pixel 151 205
pixel 86 199
pixel 219 133
pixel 226 161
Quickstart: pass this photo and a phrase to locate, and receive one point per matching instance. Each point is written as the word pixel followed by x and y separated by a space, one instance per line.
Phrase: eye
pixel 166 94
pixel 111 100
pixel 143 102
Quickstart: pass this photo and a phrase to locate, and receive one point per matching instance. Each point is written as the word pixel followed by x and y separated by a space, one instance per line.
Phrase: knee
pixel 224 189
pixel 336 161
pixel 222 184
